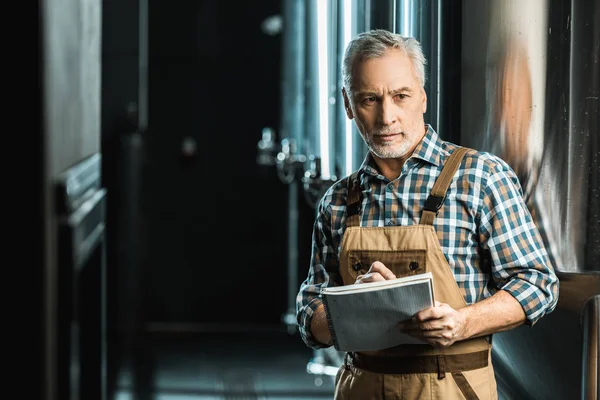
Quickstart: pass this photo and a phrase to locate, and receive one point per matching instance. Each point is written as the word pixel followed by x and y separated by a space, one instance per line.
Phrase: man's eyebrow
pixel 365 93
pixel 402 89
pixel 368 93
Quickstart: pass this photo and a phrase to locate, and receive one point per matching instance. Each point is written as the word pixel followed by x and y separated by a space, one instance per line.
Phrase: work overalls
pixel 462 370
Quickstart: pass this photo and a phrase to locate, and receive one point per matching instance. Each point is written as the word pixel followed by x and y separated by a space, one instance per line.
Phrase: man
pixel 472 230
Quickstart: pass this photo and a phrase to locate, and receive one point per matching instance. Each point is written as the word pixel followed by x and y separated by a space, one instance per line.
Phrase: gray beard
pixel 395 150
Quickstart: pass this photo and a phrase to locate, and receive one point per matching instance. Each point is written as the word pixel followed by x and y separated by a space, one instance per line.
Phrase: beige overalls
pixel 461 371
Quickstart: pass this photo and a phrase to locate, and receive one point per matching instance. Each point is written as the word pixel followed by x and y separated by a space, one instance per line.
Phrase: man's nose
pixel 387 112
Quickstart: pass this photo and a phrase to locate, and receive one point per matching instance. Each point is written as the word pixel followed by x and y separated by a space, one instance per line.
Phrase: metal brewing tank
pixel 320 94
pixel 350 149
pixel 530 87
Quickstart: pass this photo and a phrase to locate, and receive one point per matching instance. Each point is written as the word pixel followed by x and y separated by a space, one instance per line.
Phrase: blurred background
pixel 182 148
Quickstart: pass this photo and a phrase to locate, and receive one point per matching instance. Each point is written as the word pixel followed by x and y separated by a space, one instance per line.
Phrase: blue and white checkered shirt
pixel 483 210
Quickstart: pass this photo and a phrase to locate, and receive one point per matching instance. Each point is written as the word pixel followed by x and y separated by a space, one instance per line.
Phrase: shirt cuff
pixel 304 324
pixel 535 302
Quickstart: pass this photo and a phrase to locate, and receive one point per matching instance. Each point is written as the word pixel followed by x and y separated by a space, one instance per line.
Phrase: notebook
pixel 363 317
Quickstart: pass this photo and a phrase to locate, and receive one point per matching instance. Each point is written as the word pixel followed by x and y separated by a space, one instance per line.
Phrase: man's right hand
pixel 377 272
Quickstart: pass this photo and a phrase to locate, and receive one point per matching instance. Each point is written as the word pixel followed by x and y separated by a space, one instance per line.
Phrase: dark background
pixel 212 235
pixel 196 230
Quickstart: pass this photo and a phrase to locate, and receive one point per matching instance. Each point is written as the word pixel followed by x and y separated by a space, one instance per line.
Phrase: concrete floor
pixel 225 365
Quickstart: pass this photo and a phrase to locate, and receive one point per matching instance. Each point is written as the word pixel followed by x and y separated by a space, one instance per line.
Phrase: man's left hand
pixel 439 326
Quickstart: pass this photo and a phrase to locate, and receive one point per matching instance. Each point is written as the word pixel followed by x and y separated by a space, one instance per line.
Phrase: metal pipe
pixel 423 21
pixel 292 133
pixel 143 52
pixel 292 85
pixel 350 148
pixel 289 319
pixel 320 83
pixel 380 14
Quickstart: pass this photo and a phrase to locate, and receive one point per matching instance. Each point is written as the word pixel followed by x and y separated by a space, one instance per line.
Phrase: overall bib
pixel 460 371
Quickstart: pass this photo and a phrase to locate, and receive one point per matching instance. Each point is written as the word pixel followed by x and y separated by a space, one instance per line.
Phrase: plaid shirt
pixel 483 209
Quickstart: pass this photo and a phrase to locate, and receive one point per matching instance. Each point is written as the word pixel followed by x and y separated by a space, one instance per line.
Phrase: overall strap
pixel 353 201
pixel 438 192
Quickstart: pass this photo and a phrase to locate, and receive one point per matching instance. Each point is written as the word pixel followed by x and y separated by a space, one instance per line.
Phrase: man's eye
pixel 369 100
pixel 401 96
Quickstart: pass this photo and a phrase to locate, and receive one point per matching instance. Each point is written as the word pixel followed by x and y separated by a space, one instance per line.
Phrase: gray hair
pixel 374 44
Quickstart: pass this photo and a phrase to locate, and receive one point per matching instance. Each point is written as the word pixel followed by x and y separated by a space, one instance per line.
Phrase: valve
pixel 315 185
pixel 288 160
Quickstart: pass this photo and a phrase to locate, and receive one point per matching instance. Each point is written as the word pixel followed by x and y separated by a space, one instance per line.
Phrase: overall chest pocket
pixel 401 263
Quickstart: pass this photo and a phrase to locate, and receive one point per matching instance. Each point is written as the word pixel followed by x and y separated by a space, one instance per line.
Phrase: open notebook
pixel 365 316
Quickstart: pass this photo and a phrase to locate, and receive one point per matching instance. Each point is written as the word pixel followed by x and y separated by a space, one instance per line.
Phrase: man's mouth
pixel 386 136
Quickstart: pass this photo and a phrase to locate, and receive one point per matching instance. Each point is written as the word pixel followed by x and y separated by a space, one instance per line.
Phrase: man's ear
pixel 424 95
pixel 347 104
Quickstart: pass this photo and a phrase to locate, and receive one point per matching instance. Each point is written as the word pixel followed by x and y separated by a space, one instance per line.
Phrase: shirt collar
pixel 429 150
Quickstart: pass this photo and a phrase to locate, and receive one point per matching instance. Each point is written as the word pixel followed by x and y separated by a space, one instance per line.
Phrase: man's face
pixel 387 105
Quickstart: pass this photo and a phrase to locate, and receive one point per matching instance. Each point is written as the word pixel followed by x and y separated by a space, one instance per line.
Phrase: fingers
pixel 438 337
pixel 440 310
pixel 377 272
pixel 369 277
pixel 379 267
pixel 432 325
pixel 413 324
pixel 439 326
pixel 432 318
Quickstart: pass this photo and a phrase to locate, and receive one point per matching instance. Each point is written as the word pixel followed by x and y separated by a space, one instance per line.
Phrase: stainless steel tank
pixel 530 87
pixel 320 84
pixel 350 149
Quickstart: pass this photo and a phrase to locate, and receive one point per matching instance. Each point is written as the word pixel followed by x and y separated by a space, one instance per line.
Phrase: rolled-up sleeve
pixel 520 263
pixel 323 272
